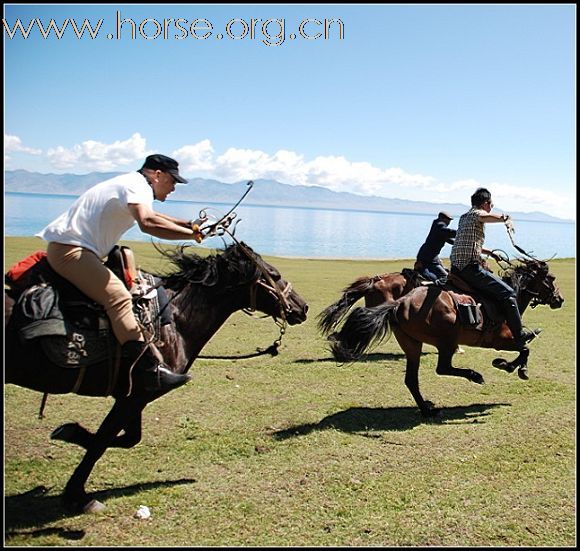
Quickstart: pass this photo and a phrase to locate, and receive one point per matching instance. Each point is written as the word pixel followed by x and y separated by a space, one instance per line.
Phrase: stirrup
pixel 167 380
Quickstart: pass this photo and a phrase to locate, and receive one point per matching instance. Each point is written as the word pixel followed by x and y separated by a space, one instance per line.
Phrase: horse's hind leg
pixel 73 433
pixel 412 349
pixel 75 496
pixel 444 366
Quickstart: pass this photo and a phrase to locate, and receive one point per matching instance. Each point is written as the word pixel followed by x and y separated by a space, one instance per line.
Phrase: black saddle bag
pixel 469 314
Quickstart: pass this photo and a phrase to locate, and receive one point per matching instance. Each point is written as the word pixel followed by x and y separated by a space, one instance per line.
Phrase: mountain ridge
pixel 264 193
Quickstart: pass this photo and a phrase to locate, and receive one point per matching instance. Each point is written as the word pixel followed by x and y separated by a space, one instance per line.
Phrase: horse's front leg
pixel 74 495
pixel 412 349
pixel 520 363
pixel 444 366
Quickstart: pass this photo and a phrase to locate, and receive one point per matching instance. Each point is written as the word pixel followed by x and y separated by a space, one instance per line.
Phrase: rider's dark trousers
pixel 434 271
pixel 496 289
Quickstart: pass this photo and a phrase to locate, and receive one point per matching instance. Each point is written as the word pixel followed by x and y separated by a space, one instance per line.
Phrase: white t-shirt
pixel 100 216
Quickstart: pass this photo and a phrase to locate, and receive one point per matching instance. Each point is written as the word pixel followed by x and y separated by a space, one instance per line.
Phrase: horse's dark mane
pixel 221 271
pixel 516 276
pixel 362 284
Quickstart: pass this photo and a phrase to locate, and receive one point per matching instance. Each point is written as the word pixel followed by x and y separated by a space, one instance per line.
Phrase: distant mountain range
pixel 264 192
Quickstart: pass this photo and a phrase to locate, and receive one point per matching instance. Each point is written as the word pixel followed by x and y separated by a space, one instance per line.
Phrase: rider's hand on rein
pixel 195 226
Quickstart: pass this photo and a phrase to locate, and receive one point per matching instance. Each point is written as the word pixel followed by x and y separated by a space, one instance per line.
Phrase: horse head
pixel 244 275
pixel 537 280
pixel 271 293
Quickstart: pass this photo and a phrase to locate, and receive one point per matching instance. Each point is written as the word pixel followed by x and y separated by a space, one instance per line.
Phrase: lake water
pixel 308 232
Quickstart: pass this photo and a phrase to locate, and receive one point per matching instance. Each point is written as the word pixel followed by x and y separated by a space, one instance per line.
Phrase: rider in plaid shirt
pixel 466 262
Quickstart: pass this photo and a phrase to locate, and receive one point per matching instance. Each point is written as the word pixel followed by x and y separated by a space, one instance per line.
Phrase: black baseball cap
pixel 165 164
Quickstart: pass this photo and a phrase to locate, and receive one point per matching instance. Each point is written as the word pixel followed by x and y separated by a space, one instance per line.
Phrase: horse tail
pixel 363 328
pixel 331 316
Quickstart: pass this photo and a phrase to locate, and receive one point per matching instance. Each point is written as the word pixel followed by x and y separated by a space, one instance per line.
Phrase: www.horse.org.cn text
pixel 271 32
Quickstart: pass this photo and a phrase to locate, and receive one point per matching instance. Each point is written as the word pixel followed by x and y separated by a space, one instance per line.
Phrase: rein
pixel 222 226
pixel 270 285
pixel 510 231
pixel 264 280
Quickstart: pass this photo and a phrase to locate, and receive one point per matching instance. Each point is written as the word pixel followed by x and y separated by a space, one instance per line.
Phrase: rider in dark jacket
pixel 428 263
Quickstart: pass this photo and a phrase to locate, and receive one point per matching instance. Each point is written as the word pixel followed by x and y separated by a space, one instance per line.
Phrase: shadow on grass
pixel 25 513
pixel 372 357
pixel 367 420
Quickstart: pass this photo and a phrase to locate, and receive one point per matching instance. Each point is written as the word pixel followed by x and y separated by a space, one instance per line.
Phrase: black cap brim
pixel 179 179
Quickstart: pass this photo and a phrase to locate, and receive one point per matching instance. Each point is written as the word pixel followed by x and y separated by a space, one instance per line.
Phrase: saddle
pixel 473 309
pixel 73 330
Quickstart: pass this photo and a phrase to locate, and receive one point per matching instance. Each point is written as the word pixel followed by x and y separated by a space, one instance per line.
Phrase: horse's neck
pixel 523 298
pixel 193 331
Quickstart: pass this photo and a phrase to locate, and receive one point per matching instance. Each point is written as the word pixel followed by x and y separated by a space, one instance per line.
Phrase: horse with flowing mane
pixel 435 316
pixel 202 293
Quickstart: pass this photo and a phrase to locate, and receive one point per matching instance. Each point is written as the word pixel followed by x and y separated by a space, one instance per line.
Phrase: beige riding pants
pixel 85 269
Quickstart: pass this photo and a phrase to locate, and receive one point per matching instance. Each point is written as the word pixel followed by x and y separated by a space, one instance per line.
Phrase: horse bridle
pixel 281 295
pixel 266 281
pixel 540 297
pixel 537 297
pixel 531 274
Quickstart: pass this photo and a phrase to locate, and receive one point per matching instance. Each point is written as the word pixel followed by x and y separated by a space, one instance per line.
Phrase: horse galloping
pixel 375 290
pixel 202 294
pixel 431 315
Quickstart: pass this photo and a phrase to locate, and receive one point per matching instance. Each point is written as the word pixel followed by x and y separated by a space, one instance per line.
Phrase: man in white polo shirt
pixel 81 237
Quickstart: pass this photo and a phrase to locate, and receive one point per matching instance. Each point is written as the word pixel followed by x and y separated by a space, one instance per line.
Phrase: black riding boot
pixel 152 375
pixel 514 321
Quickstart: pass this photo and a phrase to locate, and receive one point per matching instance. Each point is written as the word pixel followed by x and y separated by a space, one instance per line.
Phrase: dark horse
pixel 202 293
pixel 374 289
pixel 430 315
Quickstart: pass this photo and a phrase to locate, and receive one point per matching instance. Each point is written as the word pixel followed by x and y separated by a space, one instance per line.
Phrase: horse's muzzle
pixel 297 314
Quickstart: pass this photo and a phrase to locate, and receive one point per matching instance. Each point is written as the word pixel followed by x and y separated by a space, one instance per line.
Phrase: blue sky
pixel 421 102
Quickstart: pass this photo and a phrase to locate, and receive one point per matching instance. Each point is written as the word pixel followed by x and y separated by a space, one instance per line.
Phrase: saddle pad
pixel 78 349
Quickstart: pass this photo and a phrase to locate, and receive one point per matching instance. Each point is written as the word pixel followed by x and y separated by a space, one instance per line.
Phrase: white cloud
pixel 333 172
pixel 195 157
pixel 93 155
pixel 13 144
pixel 340 174
pixel 239 164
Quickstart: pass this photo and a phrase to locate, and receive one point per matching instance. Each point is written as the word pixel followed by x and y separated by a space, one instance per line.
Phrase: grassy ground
pixel 297 451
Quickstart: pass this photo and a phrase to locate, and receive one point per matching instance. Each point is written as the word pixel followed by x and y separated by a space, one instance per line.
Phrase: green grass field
pixel 298 451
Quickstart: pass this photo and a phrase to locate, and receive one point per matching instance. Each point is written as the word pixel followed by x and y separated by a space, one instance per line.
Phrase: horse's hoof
pixel 429 411
pixel 93 507
pixel 523 374
pixel 64 432
pixel 502 364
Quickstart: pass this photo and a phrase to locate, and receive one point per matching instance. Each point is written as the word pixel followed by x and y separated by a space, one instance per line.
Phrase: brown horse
pixel 430 315
pixel 202 293
pixel 375 290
